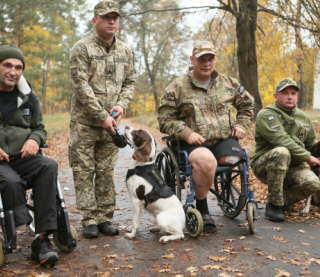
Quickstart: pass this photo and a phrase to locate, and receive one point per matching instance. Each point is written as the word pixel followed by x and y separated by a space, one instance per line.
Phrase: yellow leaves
pixel 217 258
pixel 270 257
pixel 170 256
pixel 280 239
pixel 302 231
pixel 282 273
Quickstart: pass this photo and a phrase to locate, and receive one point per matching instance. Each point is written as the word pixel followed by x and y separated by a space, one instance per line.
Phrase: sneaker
pixel 274 213
pixel 41 251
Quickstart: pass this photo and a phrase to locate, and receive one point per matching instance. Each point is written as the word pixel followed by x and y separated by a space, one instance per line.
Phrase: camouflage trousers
pixel 286 185
pixel 92 157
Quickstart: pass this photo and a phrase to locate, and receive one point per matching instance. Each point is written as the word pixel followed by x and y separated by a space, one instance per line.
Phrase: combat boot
pixel 274 213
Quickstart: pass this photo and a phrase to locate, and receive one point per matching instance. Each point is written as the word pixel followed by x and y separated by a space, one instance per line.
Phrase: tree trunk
pixel 246 22
pixel 301 84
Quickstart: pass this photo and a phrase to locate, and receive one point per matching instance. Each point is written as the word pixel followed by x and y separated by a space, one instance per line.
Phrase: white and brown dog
pixel 166 212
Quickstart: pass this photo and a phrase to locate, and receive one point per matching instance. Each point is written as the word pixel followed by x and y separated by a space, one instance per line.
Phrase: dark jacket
pixel 26 123
pixel 280 127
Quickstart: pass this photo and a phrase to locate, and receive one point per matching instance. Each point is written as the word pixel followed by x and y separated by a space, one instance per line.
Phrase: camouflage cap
pixel 203 47
pixel 105 7
pixel 284 83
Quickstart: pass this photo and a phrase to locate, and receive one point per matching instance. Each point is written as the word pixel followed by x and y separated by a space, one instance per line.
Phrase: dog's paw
pixel 129 229
pixel 163 239
pixel 130 235
pixel 304 213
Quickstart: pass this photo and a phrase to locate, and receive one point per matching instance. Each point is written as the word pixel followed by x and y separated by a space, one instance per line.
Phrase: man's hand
pixel 195 139
pixel 119 113
pixel 30 148
pixel 4 156
pixel 313 160
pixel 238 133
pixel 109 123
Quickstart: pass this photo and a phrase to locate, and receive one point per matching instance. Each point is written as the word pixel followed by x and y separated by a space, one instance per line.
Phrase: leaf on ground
pixel 93 246
pixel 229 240
pixel 270 257
pixel 281 239
pixel 302 231
pixel 305 243
pixel 243 237
pixel 223 274
pixel 217 258
pixel 170 256
pixel 282 273
pixel 192 269
pixel 306 272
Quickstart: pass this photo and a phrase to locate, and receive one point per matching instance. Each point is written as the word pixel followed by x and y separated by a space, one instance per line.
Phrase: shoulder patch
pixel 241 89
pixel 270 117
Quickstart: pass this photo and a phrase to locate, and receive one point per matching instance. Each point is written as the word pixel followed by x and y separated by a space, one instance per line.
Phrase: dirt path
pixel 290 248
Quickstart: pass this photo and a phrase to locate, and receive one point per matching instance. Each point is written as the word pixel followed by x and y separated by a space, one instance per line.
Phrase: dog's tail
pixel 140 191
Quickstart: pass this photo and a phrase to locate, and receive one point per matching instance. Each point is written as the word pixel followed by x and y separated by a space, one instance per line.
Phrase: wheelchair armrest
pixel 168 138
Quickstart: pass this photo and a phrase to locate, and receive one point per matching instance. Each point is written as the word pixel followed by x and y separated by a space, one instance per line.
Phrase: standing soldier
pixel 102 79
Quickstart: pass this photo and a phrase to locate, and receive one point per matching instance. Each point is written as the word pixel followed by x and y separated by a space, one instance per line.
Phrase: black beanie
pixel 11 51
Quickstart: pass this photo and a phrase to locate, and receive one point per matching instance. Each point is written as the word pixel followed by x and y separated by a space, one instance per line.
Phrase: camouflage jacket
pixel 102 76
pixel 188 107
pixel 280 127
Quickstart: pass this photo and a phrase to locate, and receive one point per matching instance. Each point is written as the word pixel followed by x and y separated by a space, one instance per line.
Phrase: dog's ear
pixel 143 152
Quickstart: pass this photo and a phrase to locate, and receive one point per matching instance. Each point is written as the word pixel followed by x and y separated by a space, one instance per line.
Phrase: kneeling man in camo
pixel 284 137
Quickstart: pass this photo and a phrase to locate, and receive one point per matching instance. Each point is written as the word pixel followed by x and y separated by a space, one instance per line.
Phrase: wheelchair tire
pixel 251 215
pixel 169 171
pixel 229 194
pixel 194 223
pixel 61 245
pixel 3 257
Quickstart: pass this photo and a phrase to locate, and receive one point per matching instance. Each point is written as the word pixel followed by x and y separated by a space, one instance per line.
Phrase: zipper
pixel 6 135
pixel 215 114
pixel 205 121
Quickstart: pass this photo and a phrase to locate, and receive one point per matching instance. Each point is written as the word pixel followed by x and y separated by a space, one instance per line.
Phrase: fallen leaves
pixel 270 257
pixel 169 256
pixel 282 273
pixel 280 239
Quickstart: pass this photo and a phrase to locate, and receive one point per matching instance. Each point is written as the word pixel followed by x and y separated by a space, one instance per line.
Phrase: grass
pixel 314 114
pixel 55 123
pixel 147 119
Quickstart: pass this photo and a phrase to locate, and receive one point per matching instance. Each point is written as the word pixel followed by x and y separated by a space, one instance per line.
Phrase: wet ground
pixel 290 248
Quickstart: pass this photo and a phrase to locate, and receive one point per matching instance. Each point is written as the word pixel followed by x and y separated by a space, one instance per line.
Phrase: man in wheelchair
pixel 195 109
pixel 21 166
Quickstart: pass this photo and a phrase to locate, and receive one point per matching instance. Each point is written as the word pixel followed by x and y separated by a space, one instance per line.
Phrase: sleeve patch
pixel 241 89
pixel 275 126
pixel 270 117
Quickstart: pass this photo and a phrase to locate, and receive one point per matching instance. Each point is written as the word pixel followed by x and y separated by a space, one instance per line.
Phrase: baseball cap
pixel 203 47
pixel 105 7
pixel 284 83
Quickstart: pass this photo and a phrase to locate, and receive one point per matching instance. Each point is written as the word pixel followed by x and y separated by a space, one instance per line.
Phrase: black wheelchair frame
pixel 65 238
pixel 173 164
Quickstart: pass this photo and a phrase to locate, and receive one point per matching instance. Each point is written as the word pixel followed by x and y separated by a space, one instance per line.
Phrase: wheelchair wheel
pixel 251 215
pixel 169 170
pixel 60 242
pixel 194 223
pixel 230 192
pixel 3 257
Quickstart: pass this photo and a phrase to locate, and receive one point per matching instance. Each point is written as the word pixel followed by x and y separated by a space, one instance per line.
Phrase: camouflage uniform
pixel 283 141
pixel 102 76
pixel 188 107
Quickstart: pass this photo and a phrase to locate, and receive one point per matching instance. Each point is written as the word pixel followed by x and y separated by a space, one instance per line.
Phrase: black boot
pixel 274 213
pixel 107 229
pixel 41 251
pixel 91 231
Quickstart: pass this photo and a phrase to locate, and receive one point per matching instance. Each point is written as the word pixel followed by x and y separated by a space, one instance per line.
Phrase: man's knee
pixel 202 159
pixel 279 158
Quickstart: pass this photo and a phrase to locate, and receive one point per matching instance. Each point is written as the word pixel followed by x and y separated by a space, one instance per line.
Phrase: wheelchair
pixel 65 237
pixel 231 186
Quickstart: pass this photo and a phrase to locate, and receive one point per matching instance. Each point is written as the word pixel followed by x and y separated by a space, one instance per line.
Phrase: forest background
pixel 259 42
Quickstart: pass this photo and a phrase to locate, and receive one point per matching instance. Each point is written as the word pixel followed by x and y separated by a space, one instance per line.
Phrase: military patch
pixel 270 117
pixel 235 149
pixel 205 46
pixel 121 60
pixel 241 89
pixel 73 66
pixel 26 112
pixel 93 57
pixel 275 126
